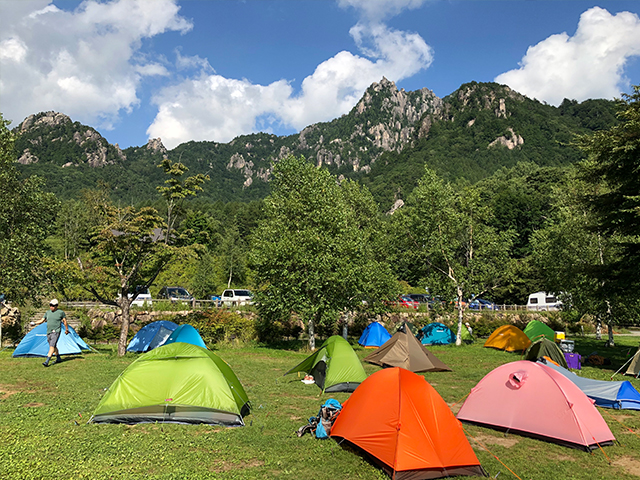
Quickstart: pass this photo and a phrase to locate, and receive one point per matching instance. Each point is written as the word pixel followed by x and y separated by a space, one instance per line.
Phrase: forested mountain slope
pixel 384 142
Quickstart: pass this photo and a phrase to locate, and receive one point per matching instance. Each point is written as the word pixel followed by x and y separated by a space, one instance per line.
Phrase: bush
pixel 218 325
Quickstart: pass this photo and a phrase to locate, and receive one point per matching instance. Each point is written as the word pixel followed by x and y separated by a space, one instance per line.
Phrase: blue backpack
pixel 322 423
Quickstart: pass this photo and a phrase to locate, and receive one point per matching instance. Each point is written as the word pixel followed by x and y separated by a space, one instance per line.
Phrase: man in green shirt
pixel 55 319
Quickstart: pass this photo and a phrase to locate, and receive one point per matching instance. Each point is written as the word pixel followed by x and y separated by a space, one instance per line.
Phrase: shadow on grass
pixel 615 357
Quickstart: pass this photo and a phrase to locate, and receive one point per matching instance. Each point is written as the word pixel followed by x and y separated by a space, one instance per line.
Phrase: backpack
pixel 322 423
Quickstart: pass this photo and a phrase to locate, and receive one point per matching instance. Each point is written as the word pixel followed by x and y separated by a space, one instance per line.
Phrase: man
pixel 54 318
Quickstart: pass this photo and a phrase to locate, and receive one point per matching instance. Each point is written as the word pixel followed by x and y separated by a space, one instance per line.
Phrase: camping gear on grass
pixel 374 335
pixel 436 334
pixel 508 338
pixel 186 334
pixel 321 424
pixel 531 399
pixel 35 344
pixel 178 383
pixel 619 395
pixel 535 329
pixel 335 367
pixel 397 419
pixel 545 348
pixel 404 350
pixel 151 336
pixel 573 360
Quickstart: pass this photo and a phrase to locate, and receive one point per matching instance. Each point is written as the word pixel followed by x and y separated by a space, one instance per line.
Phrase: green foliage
pixel 220 325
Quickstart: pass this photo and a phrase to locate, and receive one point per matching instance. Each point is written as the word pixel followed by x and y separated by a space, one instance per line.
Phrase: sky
pixel 211 70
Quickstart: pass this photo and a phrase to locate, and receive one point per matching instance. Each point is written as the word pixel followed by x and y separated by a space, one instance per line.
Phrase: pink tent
pixel 532 399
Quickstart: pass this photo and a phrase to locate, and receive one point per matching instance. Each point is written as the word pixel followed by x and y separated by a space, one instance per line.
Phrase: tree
pixel 446 235
pixel 26 217
pixel 313 253
pixel 176 190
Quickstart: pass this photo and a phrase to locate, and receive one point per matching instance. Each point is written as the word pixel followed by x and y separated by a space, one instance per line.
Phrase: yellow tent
pixel 509 338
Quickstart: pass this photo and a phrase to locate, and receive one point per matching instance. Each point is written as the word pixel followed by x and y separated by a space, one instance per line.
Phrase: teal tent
pixel 35 344
pixel 186 334
pixel 177 383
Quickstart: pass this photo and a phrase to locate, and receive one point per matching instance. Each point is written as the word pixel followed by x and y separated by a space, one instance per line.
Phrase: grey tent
pixel 634 367
pixel 404 350
pixel 619 395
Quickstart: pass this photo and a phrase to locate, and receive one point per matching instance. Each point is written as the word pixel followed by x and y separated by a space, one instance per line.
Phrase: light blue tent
pixel 34 343
pixel 436 334
pixel 374 335
pixel 151 336
pixel 618 395
pixel 186 334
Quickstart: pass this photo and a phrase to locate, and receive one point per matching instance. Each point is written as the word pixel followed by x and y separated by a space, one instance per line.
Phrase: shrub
pixel 218 325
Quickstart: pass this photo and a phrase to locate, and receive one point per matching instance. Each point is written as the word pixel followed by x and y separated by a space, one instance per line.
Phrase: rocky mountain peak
pixel 44 119
pixel 156 146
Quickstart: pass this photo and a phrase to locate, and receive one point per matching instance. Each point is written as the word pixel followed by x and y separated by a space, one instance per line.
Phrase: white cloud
pixel 211 107
pixel 84 63
pixel 376 11
pixel 589 64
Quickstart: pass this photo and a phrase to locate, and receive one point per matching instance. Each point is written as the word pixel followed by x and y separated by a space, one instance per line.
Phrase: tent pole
pixel 623 367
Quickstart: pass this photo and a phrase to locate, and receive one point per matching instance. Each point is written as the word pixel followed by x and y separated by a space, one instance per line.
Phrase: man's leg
pixel 53 340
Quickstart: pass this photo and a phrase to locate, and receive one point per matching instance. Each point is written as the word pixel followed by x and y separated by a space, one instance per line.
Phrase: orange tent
pixel 509 338
pixel 405 426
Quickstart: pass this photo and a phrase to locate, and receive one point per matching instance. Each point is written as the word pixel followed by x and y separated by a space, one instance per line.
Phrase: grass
pixel 44 434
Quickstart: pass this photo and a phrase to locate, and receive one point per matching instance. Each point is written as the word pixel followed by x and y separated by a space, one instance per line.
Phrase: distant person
pixel 469 328
pixel 54 318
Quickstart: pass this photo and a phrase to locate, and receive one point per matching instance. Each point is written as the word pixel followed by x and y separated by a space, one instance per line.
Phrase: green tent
pixel 535 330
pixel 545 348
pixel 466 336
pixel 335 366
pixel 180 383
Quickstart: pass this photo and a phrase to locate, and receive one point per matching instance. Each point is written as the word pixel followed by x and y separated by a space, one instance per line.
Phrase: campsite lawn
pixel 44 431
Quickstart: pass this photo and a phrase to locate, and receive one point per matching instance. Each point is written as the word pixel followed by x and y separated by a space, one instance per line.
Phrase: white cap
pixel 54 302
pixel 467 324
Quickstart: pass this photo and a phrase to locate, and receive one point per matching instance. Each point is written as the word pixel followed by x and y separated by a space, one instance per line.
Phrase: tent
pixel 619 395
pixel 186 334
pixel 532 399
pixel 634 366
pixel 34 343
pixel 509 338
pixel 535 330
pixel 150 336
pixel 404 350
pixel 405 426
pixel 177 383
pixel 545 348
pixel 374 335
pixel 436 334
pixel 335 366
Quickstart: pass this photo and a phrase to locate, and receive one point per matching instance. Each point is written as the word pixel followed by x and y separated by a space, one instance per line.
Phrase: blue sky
pixel 212 70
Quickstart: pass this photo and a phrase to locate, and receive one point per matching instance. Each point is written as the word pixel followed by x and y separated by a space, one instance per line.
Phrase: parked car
pixel 235 297
pixel 421 298
pixel 481 304
pixel 144 296
pixel 407 302
pixel 175 294
pixel 543 301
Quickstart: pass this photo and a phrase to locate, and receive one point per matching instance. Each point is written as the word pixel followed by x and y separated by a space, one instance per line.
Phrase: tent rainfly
pixel 545 348
pixel 186 334
pixel 175 383
pixel 335 366
pixel 508 338
pixel 151 336
pixel 404 350
pixel 374 335
pixel 398 420
pixel 619 395
pixel 34 343
pixel 436 334
pixel 531 399
pixel 634 366
pixel 535 330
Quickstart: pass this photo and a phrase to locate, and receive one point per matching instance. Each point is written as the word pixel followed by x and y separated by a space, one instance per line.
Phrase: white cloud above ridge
pixel 84 63
pixel 219 109
pixel 589 64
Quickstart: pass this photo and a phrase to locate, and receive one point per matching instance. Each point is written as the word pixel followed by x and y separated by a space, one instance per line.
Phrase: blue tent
pixel 618 395
pixel 34 343
pixel 186 334
pixel 436 334
pixel 374 335
pixel 151 336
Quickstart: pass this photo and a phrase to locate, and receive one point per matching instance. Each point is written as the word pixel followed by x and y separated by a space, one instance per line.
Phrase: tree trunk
pixel 460 316
pixel 312 335
pixel 124 328
pixel 610 343
pixel 598 328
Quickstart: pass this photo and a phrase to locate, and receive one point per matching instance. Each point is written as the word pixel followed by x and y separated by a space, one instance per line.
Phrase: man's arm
pixel 66 325
pixel 43 319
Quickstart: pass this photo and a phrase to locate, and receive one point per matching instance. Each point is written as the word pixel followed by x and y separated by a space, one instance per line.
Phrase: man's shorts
pixel 52 338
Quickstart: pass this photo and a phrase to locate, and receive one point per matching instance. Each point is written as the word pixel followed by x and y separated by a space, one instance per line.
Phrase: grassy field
pixel 44 431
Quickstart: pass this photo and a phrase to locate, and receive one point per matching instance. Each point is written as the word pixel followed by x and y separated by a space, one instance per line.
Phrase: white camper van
pixel 543 301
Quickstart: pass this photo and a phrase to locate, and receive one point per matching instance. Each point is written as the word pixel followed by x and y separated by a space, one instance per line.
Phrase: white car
pixel 235 297
pixel 144 296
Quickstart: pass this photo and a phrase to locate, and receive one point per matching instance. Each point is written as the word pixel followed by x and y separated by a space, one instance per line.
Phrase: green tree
pixel 26 217
pixel 313 253
pixel 447 238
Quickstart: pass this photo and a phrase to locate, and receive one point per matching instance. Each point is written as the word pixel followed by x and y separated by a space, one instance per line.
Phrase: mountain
pixel 383 142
